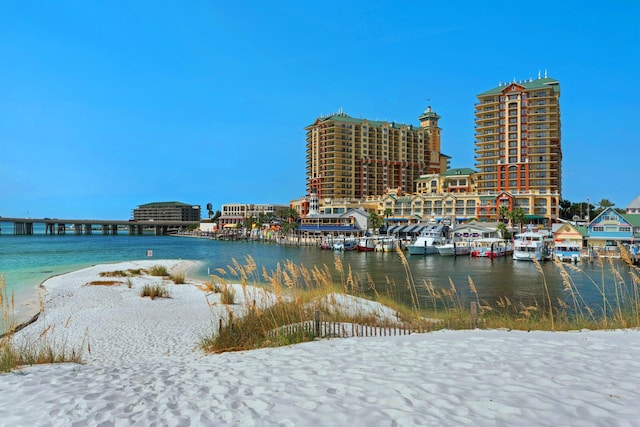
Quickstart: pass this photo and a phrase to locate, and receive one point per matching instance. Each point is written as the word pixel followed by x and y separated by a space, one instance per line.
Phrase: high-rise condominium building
pixel 350 158
pixel 518 147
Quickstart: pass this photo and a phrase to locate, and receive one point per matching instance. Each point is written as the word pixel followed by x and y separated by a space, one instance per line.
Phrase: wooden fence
pixel 319 328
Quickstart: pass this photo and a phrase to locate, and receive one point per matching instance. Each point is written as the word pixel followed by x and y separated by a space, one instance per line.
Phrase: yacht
pixel 428 241
pixel 532 244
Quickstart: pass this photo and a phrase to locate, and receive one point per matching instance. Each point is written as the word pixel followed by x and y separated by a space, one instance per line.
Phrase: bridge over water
pixel 56 226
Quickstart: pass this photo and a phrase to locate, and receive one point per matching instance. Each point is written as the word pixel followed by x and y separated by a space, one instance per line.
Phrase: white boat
pixel 454 249
pixel 532 244
pixel 385 244
pixel 367 244
pixel 348 244
pixel 566 251
pixel 428 241
pixel 491 247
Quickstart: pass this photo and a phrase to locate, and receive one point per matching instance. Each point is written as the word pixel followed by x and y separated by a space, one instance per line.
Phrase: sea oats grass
pixel 154 291
pixel 43 349
pixel 301 292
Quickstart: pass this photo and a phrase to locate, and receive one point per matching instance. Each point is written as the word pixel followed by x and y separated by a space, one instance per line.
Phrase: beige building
pixel 350 158
pixel 237 213
pixel 518 151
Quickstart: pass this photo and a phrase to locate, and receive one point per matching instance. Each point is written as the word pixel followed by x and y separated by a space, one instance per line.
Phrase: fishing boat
pixel 532 244
pixel 428 241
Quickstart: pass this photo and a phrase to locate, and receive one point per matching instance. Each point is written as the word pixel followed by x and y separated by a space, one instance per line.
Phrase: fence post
pixel 474 315
pixel 316 321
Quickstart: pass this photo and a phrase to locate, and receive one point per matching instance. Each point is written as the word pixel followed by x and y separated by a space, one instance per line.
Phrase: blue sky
pixel 106 105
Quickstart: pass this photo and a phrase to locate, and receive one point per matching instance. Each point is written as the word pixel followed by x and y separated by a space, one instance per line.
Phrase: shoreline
pixel 144 367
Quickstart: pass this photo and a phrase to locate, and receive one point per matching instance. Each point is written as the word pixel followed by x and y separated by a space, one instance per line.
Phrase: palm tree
pixel 517 216
pixel 502 230
pixel 503 213
pixel 387 212
pixel 375 221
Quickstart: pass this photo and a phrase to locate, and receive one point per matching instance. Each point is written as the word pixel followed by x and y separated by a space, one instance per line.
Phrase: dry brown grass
pixel 123 273
pixel 297 290
pixel 154 291
pixel 41 350
pixel 104 283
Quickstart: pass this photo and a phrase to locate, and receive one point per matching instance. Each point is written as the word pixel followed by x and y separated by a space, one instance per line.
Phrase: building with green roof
pixel 518 147
pixel 351 158
pixel 167 211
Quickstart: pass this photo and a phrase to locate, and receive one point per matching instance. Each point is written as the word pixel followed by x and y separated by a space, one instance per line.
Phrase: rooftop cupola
pixel 429 118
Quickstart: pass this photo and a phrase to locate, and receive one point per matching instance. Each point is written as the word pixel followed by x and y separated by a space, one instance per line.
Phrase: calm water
pixel 28 260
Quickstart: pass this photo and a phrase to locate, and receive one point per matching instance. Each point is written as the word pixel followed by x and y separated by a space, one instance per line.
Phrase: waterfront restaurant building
pixel 167 211
pixel 518 150
pixel 349 158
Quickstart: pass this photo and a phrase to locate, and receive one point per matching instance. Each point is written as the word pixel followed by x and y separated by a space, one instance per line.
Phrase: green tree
pixel 247 223
pixel 503 231
pixel 503 213
pixel 601 206
pixel 287 227
pixel 565 209
pixel 517 216
pixel 288 215
pixel 375 221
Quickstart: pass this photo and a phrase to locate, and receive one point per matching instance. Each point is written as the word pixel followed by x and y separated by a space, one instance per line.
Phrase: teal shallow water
pixel 27 261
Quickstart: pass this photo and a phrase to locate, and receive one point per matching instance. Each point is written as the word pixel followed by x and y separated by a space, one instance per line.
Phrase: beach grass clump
pixel 154 291
pixel 297 297
pixel 158 270
pixel 227 295
pixel 122 273
pixel 40 350
pixel 104 283
pixel 214 287
pixel 7 302
pixel 178 278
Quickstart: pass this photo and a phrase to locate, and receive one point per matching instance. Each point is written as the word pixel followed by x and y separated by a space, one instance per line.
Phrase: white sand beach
pixel 145 368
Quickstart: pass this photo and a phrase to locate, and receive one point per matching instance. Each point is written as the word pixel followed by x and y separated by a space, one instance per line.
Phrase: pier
pixel 55 226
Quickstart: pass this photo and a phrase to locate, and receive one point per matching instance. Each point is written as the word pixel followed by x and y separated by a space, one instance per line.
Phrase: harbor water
pixel 27 261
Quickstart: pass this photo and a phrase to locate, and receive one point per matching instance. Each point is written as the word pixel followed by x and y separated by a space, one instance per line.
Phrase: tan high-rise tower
pixel 518 148
pixel 351 158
